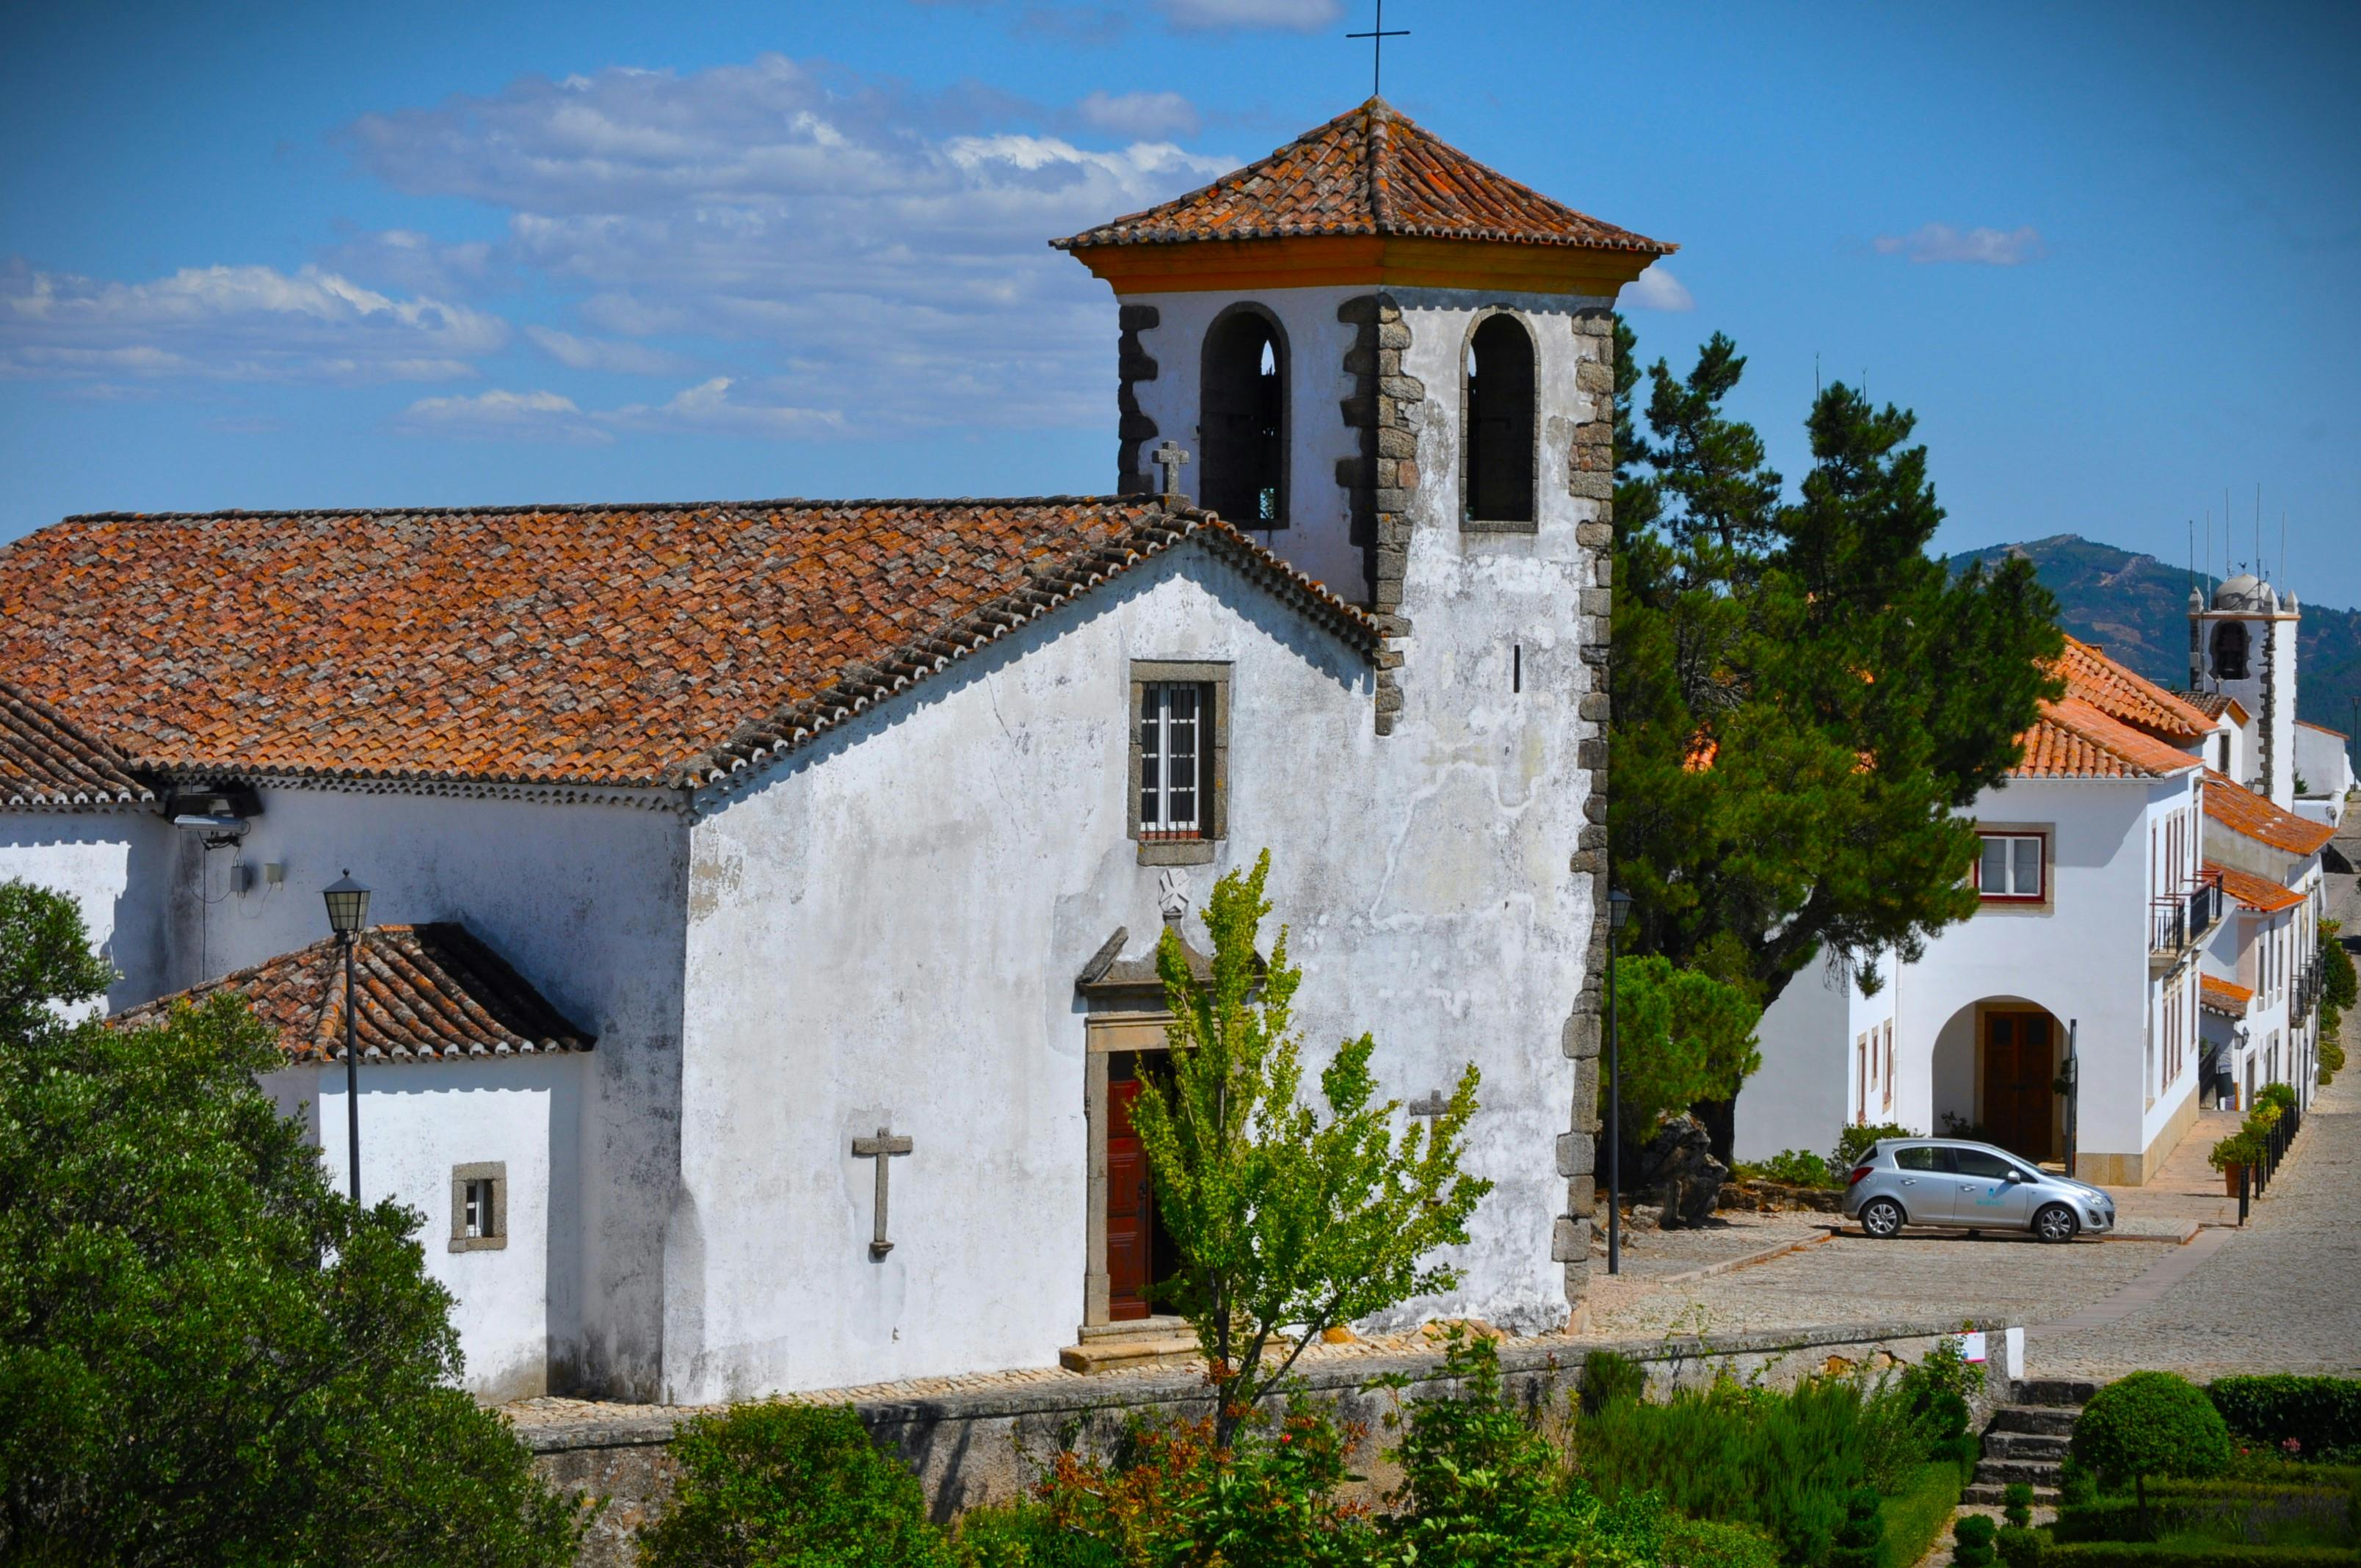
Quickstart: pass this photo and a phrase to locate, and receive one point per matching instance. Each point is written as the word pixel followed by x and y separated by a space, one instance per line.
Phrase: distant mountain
pixel 2137 608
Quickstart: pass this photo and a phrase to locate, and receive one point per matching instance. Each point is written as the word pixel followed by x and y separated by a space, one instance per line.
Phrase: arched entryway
pixel 1997 1063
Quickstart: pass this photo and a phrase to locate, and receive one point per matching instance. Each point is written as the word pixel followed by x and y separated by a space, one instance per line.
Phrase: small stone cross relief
pixel 1431 1105
pixel 1173 895
pixel 1169 457
pixel 879 1149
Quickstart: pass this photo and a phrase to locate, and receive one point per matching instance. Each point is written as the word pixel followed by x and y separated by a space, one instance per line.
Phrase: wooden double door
pixel 2020 1071
pixel 1138 1249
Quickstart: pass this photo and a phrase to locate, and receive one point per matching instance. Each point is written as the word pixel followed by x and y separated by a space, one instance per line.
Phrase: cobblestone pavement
pixel 2282 1295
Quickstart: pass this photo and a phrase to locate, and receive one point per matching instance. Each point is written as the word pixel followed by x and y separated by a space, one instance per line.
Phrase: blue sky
pixel 268 254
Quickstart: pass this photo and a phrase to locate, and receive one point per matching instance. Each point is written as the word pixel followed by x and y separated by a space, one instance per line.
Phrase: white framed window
pixel 1173 718
pixel 2012 867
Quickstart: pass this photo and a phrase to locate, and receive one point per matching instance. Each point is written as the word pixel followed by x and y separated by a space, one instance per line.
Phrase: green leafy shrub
pixel 1710 1544
pixel 2077 1483
pixel 1028 1535
pixel 1799 1167
pixel 2018 1546
pixel 2190 1554
pixel 2297 1516
pixel 801 1484
pixel 2151 1423
pixel 2016 1504
pixel 2241 1147
pixel 208 1354
pixel 1854 1142
pixel 2279 1094
pixel 1607 1376
pixel 1860 1538
pixel 2321 1414
pixel 1686 1036
pixel 1972 1540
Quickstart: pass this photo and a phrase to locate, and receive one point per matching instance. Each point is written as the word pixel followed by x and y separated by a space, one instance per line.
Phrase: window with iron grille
pixel 1180 751
pixel 479 1206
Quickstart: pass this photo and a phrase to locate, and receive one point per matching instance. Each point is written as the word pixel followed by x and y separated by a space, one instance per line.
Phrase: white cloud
pixel 1289 16
pixel 1658 289
pixel 1986 246
pixel 859 250
pixel 578 353
pixel 1146 115
pixel 235 324
pixel 707 406
pixel 503 415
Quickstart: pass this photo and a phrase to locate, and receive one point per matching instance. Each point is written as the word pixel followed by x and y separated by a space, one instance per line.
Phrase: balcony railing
pixel 2178 919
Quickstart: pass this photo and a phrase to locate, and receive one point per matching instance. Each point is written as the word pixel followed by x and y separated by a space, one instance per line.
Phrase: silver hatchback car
pixel 1950 1181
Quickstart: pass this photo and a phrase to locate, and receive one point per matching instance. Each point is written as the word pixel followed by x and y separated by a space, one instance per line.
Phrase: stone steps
pixel 2048 1447
pixel 1978 1494
pixel 1128 1347
pixel 2075 1391
pixel 2035 1472
pixel 2055 1419
pixel 2028 1439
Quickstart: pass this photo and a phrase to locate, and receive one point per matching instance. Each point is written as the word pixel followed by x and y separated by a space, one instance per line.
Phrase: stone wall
pixel 986 1447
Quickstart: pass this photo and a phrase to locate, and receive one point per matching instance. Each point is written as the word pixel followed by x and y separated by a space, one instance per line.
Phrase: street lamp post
pixel 1618 910
pixel 347 914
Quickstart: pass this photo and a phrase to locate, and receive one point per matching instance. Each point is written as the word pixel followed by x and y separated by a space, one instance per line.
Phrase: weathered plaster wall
pixel 96 858
pixel 585 901
pixel 418 1121
pixel 1808 1086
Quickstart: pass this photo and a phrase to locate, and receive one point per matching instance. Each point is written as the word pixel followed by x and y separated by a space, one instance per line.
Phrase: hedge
pixel 2318 1413
pixel 2117 1518
pixel 2210 1554
pixel 1918 1513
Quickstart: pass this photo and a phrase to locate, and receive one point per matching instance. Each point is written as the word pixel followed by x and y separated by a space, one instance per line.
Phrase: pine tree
pixel 1803 698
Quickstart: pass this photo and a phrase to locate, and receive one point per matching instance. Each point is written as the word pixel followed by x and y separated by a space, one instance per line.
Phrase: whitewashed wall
pixel 516 1306
pixel 96 858
pixel 585 901
pixel 1809 1084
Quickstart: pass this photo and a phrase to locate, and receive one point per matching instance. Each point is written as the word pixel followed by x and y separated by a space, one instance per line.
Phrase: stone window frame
pixel 495 1171
pixel 1468 346
pixel 1283 358
pixel 1214 814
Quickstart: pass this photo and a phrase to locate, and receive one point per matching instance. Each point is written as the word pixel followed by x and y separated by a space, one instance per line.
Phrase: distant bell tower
pixel 2243 645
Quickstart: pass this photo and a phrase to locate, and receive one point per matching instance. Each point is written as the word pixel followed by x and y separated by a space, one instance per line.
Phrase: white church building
pixel 760 889
pixel 2141 948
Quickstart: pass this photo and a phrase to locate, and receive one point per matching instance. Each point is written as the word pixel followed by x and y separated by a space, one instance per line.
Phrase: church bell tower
pixel 2243 645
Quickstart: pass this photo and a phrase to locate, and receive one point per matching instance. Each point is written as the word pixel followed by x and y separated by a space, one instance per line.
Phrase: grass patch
pixel 1917 1514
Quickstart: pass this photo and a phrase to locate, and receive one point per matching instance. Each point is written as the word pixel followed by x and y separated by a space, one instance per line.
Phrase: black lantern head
pixel 348 905
pixel 1618 908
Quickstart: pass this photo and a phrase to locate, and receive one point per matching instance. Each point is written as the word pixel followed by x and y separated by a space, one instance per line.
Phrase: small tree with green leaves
pixel 1288 1220
pixel 2151 1423
pixel 207 1353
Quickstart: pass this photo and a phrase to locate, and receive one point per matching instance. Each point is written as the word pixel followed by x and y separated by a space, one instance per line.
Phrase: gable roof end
pixel 2121 693
pixel 1371 170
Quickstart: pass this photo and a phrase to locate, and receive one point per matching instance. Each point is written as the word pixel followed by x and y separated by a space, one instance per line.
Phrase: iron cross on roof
pixel 1377 37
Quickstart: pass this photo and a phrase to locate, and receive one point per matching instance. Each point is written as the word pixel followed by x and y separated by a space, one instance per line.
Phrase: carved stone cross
pixel 878 1148
pixel 1169 457
pixel 1431 1105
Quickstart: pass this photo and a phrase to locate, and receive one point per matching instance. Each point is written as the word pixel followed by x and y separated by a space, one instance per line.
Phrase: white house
pixel 2147 907
pixel 762 889
pixel 2092 899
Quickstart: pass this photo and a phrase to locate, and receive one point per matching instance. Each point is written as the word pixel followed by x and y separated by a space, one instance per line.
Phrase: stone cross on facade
pixel 880 1148
pixel 1169 457
pixel 1431 1105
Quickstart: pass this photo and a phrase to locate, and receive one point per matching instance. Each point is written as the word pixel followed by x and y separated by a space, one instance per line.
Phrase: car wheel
pixel 1881 1217
pixel 2055 1223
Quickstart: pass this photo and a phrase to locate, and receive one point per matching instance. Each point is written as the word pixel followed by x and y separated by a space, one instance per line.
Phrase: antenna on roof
pixel 1377 37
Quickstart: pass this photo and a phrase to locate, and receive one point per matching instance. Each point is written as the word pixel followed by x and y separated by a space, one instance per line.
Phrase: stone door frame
pixel 1105 1033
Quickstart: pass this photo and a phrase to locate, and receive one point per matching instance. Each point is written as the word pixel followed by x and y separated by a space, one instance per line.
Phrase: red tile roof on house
pixel 2223 996
pixel 1371 171
pixel 50 764
pixel 2073 739
pixel 2119 693
pixel 425 993
pixel 2255 892
pixel 651 647
pixel 2214 705
pixel 2241 810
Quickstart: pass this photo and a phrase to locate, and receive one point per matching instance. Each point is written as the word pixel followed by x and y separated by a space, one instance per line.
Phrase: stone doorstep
pixel 2055 1421
pixel 1978 1494
pixel 1128 1352
pixel 1155 1326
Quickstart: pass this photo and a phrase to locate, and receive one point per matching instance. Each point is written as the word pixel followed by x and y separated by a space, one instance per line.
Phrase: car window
pixel 1925 1157
pixel 1978 1162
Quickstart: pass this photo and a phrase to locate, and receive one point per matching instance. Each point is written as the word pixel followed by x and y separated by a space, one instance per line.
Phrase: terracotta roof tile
pixel 655 647
pixel 2241 810
pixel 2074 739
pixel 2223 996
pixel 2214 705
pixel 2254 892
pixel 50 764
pixel 1371 171
pixel 2137 700
pixel 425 993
